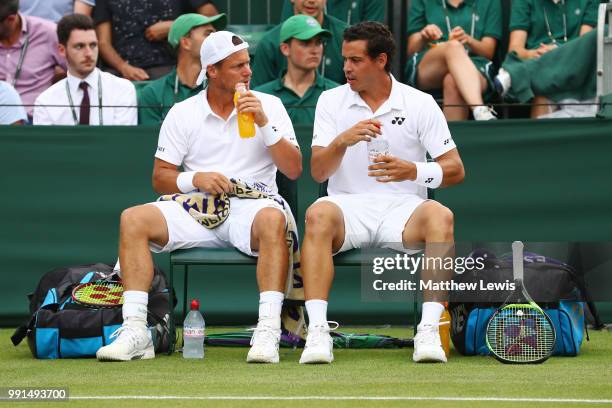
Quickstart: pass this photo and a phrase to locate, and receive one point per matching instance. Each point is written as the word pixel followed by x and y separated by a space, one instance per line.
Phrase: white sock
pixel 135 307
pixel 432 312
pixel 270 305
pixel 317 312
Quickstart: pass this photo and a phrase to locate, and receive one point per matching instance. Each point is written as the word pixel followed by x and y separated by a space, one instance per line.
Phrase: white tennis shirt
pixel 411 120
pixel 193 136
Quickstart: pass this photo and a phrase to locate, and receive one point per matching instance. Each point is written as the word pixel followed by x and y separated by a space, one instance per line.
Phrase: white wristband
pixel 271 135
pixel 429 174
pixel 184 181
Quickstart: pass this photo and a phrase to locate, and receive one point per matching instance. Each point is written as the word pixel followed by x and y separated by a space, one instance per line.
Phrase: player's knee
pixel 441 220
pixel 134 221
pixel 270 223
pixel 320 220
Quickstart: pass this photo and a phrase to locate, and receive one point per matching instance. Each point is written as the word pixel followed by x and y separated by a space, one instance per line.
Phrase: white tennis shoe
pixel 484 113
pixel 264 343
pixel 131 343
pixel 319 345
pixel 427 345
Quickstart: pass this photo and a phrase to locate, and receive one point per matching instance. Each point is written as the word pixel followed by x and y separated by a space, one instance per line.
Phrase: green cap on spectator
pixel 302 27
pixel 186 22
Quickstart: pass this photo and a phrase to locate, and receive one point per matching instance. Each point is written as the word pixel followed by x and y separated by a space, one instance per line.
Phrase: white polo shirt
pixel 193 136
pixel 411 120
pixel 120 107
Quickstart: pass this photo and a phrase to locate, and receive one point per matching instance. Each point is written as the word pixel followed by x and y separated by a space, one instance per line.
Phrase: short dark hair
pixel 8 8
pixel 378 37
pixel 72 22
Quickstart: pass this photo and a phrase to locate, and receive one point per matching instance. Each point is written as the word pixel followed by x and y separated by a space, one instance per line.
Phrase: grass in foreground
pixel 384 373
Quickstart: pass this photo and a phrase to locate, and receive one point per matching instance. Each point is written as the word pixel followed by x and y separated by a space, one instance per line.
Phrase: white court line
pixel 334 398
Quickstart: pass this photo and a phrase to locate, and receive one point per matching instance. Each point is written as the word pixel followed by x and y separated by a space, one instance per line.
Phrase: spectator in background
pixel 29 57
pixel 575 83
pixel 11 108
pixel 300 86
pixel 133 33
pixel 84 7
pixel 270 62
pixel 540 26
pixel 186 36
pixel 349 11
pixel 80 99
pixel 450 46
pixel 55 9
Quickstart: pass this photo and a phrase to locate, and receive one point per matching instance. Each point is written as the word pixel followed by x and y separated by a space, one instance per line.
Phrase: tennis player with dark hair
pixel 384 204
pixel 87 96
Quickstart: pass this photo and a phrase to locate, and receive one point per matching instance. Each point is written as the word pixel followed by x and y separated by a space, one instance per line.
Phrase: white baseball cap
pixel 217 47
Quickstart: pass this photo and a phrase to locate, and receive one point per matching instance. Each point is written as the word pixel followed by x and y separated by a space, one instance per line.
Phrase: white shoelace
pixel 319 333
pixel 428 332
pixel 264 333
pixel 130 337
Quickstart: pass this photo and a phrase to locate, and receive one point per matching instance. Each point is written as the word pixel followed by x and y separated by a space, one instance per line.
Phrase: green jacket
pixel 300 110
pixel 270 62
pixel 485 17
pixel 156 99
pixel 531 16
pixel 349 11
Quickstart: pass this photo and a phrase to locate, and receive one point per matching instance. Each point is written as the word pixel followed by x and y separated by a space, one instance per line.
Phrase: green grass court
pixel 224 379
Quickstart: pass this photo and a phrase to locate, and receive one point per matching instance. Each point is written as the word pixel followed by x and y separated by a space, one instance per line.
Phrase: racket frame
pixel 513 302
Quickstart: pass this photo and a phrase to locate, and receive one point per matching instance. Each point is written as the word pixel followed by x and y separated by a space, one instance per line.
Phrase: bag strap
pixel 22 330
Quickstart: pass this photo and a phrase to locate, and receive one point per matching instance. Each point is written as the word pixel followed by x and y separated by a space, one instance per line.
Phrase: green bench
pixel 213 257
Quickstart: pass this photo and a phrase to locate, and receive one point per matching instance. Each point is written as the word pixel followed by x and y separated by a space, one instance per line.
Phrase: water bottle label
pixel 193 332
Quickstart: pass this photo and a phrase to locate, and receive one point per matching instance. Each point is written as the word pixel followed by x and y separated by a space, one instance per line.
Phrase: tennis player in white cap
pixel 201 135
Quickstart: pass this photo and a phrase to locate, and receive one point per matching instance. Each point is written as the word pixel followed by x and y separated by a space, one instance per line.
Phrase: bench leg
pixel 185 283
pixel 171 328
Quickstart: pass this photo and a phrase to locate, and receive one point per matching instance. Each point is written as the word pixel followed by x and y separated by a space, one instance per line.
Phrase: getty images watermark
pixel 389 275
pixel 482 271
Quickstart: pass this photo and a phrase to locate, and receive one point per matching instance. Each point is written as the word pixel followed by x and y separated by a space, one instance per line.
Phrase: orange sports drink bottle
pixel 444 329
pixel 246 120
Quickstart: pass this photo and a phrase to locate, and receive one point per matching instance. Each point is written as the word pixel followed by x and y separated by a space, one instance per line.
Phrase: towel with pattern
pixel 211 210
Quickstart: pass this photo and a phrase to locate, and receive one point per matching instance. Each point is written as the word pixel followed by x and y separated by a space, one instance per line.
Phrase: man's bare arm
pixel 326 160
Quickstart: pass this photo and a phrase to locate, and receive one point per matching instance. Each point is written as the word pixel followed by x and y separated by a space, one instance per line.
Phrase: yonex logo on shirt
pixel 428 180
pixel 160 149
pixel 398 120
pixel 274 128
pixel 447 141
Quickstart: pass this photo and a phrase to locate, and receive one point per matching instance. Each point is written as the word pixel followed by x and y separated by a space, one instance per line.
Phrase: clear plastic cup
pixel 376 147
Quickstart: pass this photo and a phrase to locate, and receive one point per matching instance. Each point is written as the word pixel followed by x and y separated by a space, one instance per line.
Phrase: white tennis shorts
pixel 234 232
pixel 374 221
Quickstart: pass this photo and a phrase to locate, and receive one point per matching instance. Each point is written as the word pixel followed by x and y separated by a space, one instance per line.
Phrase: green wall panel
pixel 64 189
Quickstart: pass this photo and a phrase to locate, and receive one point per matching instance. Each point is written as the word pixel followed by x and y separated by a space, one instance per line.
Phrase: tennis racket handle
pixel 517 259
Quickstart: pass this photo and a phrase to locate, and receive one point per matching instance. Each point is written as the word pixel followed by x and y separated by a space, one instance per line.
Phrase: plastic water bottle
pixel 193 332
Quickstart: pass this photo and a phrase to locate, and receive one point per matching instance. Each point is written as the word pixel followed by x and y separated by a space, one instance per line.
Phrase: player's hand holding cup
pixel 364 131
